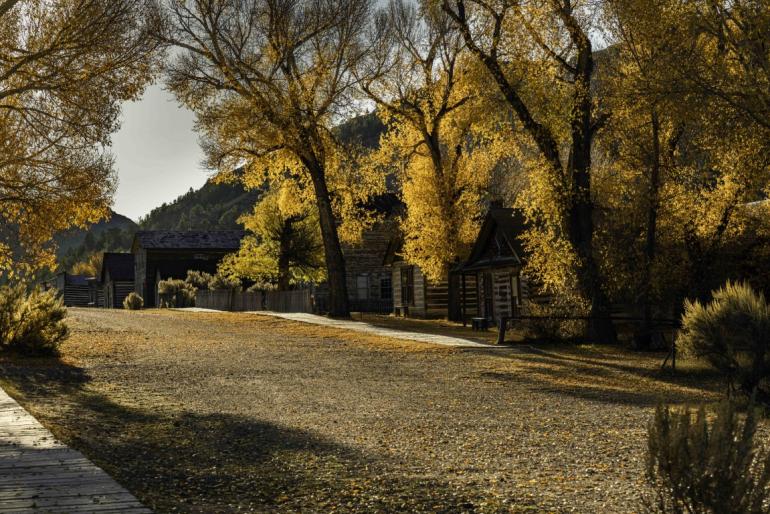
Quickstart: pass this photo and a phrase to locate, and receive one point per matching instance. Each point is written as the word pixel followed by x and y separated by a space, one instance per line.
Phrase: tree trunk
pixel 643 340
pixel 284 250
pixel 335 260
pixel 581 212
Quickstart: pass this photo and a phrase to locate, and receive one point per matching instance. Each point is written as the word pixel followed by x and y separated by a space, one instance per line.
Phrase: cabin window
pixel 386 288
pixel 362 287
pixel 407 285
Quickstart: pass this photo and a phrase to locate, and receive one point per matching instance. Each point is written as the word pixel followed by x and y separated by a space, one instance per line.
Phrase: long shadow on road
pixel 179 461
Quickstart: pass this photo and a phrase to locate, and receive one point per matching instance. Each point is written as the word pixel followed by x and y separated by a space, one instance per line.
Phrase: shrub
pixel 200 280
pixel 133 302
pixel 732 332
pixel 31 322
pixel 220 282
pixel 700 469
pixel 176 293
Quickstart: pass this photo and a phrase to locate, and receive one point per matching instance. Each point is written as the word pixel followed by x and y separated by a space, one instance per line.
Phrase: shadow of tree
pixel 607 379
pixel 184 461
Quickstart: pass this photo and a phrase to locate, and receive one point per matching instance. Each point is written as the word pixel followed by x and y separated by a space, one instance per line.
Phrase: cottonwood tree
pixel 268 79
pixel 284 245
pixel 679 164
pixel 65 68
pixel 436 131
pixel 540 56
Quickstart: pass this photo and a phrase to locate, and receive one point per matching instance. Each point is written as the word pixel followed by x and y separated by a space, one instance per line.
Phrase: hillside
pixel 213 206
pixel 112 235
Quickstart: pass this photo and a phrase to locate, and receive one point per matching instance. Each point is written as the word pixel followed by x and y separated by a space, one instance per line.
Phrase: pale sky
pixel 157 156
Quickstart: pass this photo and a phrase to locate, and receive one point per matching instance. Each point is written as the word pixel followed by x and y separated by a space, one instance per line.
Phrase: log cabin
pixel 75 290
pixel 492 273
pixel 116 278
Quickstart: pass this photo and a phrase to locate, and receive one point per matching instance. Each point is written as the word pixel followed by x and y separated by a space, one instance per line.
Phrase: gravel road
pixel 199 412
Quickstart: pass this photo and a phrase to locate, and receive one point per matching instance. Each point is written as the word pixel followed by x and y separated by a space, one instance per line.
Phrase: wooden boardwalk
pixel 40 474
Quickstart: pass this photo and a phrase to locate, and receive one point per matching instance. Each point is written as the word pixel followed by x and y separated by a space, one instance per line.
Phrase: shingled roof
pixel 189 239
pixel 505 226
pixel 120 266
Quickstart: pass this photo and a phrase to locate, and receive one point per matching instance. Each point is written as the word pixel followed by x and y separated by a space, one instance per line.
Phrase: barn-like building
pixel 163 254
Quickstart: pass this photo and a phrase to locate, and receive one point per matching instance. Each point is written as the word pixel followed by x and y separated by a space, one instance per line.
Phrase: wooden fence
pixel 226 300
pixel 299 300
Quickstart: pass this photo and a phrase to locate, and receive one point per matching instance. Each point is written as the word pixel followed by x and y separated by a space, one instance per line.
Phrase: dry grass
pixel 224 412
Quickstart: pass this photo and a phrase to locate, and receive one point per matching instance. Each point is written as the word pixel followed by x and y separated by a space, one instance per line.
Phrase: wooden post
pixel 462 301
pixel 501 325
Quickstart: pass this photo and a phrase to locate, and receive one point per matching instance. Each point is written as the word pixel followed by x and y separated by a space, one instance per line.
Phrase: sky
pixel 156 151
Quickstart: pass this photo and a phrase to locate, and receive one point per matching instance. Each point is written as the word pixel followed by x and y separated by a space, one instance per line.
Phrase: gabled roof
pixel 505 226
pixel 120 266
pixel 188 239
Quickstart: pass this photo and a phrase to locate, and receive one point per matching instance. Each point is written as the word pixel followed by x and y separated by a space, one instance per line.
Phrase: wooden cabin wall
pixel 365 264
pixel 471 307
pixel 396 281
pixel 502 300
pixel 431 300
pixel 77 295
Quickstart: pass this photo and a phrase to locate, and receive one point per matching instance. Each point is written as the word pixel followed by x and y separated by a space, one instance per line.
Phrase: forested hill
pixel 111 235
pixel 213 206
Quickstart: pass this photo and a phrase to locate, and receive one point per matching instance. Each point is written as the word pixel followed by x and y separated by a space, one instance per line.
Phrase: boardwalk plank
pixel 40 474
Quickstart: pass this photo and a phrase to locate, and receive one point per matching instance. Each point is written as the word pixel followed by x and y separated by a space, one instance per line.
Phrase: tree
pixel 284 247
pixel 671 168
pixel 438 134
pixel 65 68
pixel 267 80
pixel 541 58
pixel 91 266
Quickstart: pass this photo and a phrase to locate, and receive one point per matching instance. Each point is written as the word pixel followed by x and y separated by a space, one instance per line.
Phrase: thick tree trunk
pixel 335 260
pixel 581 212
pixel 644 338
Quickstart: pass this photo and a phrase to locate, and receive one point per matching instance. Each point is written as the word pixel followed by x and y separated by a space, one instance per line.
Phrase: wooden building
pixel 492 273
pixel 164 254
pixel 416 296
pixel 75 290
pixel 369 281
pixel 116 278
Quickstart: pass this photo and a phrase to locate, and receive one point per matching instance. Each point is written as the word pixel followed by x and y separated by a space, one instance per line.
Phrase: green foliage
pixel 176 293
pixel 133 302
pixel 78 246
pixel 701 468
pixel 214 206
pixel 732 332
pixel 284 246
pixel 31 322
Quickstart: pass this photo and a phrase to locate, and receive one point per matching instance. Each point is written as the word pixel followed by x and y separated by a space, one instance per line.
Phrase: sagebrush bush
pixel 223 282
pixel 200 280
pixel 133 302
pixel 732 332
pixel 176 293
pixel 699 467
pixel 31 322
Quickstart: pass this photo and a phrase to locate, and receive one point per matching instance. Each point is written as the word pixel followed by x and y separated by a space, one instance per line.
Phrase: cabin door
pixel 489 295
pixel 407 287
